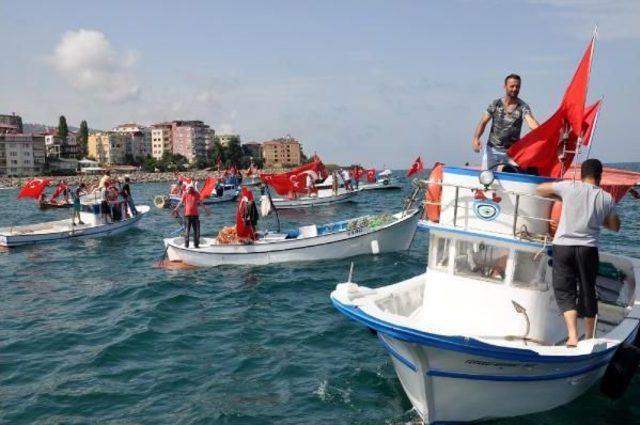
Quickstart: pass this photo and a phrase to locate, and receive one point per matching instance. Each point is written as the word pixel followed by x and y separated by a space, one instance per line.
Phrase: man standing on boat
pixel 585 208
pixel 191 199
pixel 506 115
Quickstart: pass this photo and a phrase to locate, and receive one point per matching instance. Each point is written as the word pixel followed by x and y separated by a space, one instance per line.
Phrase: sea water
pixel 91 332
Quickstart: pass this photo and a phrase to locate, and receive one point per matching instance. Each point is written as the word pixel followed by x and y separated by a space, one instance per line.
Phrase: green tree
pixel 234 151
pixel 63 130
pixel 149 164
pixel 217 152
pixel 83 137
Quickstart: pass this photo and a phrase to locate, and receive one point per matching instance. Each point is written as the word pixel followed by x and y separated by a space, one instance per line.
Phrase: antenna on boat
pixel 350 273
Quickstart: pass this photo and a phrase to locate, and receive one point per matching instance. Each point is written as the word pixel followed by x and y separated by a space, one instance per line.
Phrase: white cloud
pixel 86 59
pixel 617 19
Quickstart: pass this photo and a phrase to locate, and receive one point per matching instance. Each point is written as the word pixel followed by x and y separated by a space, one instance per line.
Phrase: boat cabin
pixel 492 247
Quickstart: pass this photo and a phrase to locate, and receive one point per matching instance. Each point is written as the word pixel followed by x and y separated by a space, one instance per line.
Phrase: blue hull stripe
pixel 462 344
pixel 514 177
pixel 397 355
pixel 518 378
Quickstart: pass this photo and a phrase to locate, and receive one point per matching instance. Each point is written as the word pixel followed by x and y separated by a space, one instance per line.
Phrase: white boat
pixel 479 334
pixel 94 226
pixel 229 195
pixel 384 181
pixel 322 198
pixel 358 236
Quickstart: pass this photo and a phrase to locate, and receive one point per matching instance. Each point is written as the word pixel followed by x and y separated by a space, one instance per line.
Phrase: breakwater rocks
pixel 136 177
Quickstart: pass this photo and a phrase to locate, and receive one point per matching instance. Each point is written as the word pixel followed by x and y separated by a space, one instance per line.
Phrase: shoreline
pixel 136 177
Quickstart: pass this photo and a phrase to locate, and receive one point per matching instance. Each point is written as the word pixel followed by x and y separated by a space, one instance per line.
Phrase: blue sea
pixel 92 332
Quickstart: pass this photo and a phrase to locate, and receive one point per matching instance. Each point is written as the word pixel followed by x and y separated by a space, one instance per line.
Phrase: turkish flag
pixel 207 188
pixel 33 188
pixel 416 167
pixel 550 148
pixel 184 179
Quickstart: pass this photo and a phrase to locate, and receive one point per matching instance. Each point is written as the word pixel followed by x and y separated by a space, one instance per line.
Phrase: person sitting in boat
pixel 191 200
pixel 219 189
pixel 585 208
pixel 176 189
pixel 75 196
pixel 246 217
pixel 506 115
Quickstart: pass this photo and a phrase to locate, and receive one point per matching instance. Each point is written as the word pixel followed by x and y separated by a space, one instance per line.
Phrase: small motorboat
pixel 91 215
pixel 363 235
pixel 384 181
pixel 479 334
pixel 45 205
pixel 229 194
pixel 322 197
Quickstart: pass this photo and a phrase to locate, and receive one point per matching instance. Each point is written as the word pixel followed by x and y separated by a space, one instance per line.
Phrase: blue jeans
pixel 492 156
pixel 132 206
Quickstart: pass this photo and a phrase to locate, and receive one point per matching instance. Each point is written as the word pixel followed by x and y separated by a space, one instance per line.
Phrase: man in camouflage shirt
pixel 506 115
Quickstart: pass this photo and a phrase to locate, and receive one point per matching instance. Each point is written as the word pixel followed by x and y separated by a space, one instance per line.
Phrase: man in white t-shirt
pixel 585 208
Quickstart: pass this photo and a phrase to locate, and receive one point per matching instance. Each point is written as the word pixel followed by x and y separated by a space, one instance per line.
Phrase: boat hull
pixel 458 379
pixel 313 201
pixel 396 236
pixel 226 197
pixel 12 237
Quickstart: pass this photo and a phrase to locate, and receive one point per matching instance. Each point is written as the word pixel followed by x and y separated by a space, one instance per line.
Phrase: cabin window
pixel 481 261
pixel 439 253
pixel 531 271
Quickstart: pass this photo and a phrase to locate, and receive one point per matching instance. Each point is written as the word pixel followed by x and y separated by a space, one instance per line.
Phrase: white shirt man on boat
pixel 506 115
pixel 585 208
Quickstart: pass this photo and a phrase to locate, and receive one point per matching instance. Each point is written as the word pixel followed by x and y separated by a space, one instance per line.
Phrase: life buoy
pixel 434 193
pixel 554 216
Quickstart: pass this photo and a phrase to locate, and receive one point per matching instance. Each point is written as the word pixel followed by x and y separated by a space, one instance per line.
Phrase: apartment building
pixel 138 143
pixel 22 154
pixel 161 139
pixel 190 139
pixel 282 152
pixel 58 148
pixel 108 147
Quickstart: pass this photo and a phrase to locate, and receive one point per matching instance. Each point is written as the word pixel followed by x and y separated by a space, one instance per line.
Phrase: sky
pixel 357 81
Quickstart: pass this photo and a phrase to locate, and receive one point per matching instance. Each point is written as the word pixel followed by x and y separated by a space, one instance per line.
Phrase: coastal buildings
pixel 282 152
pixel 161 139
pixel 58 148
pixel 138 140
pixel 10 123
pixel 21 154
pixel 108 147
pixel 191 139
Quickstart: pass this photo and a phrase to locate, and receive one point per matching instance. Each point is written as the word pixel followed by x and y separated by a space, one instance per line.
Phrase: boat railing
pixel 520 233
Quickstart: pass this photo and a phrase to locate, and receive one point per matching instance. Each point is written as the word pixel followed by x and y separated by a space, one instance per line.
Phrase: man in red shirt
pixel 191 199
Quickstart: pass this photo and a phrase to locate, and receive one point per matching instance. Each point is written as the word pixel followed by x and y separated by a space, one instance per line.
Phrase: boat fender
pixel 434 193
pixel 556 211
pixel 621 369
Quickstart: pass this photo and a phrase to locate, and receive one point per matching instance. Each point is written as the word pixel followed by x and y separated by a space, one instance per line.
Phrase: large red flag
pixel 207 188
pixel 550 148
pixel 33 188
pixel 590 118
pixel 416 167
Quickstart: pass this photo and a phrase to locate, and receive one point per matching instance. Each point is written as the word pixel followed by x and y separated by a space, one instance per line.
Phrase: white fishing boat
pixel 229 194
pixel 479 334
pixel 342 239
pixel 322 197
pixel 94 226
pixel 384 181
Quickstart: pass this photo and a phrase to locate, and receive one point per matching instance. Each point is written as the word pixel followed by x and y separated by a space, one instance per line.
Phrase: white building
pixel 138 143
pixel 161 139
pixel 22 154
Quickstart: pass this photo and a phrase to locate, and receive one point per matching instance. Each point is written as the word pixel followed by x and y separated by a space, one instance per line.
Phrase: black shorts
pixel 575 269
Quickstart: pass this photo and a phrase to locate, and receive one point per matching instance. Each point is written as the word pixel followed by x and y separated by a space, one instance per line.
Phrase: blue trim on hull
pixel 461 344
pixel 518 378
pixel 397 355
pixel 514 177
